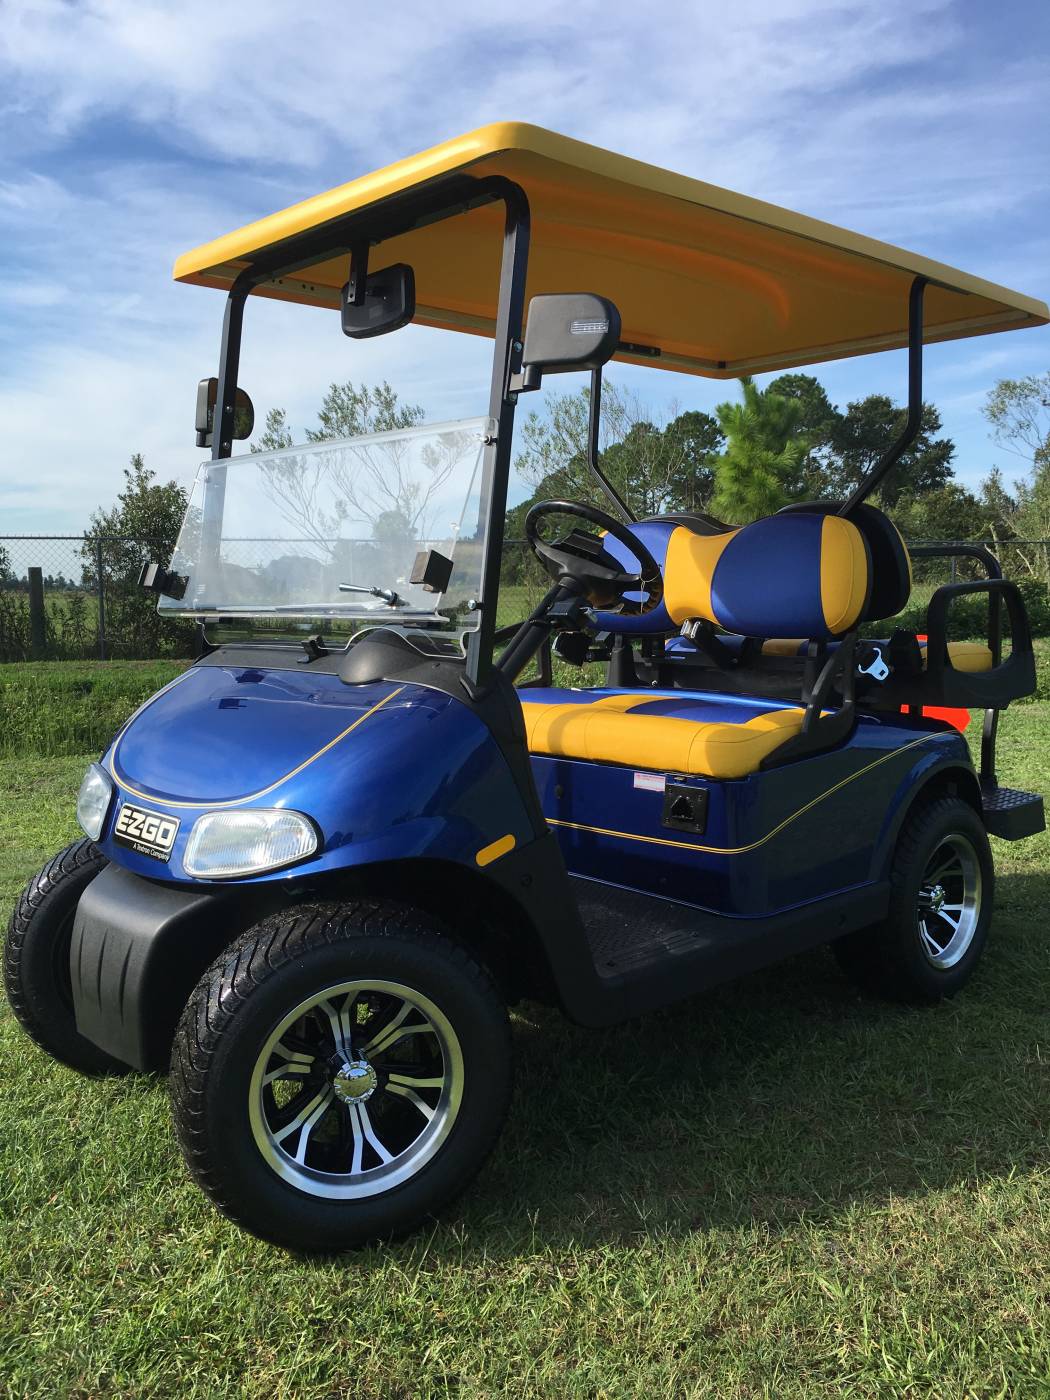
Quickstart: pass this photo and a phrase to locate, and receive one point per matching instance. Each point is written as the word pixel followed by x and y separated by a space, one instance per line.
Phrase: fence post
pixel 37 616
pixel 101 599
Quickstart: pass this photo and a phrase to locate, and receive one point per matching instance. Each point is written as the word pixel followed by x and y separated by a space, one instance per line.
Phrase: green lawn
pixel 778 1189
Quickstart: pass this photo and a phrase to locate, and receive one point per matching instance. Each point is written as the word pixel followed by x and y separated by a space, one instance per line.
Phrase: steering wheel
pixel 582 558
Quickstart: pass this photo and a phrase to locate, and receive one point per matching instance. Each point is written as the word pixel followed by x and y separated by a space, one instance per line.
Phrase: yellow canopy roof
pixel 719 283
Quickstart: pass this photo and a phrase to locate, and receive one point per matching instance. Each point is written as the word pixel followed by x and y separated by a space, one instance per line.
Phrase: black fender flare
pixel 139 946
pixel 942 773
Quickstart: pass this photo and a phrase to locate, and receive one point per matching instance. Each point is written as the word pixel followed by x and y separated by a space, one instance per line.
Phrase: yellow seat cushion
pixel 606 731
pixel 967 656
pixel 964 656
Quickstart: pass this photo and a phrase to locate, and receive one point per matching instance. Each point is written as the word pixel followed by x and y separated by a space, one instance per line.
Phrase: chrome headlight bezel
pixel 94 800
pixel 239 840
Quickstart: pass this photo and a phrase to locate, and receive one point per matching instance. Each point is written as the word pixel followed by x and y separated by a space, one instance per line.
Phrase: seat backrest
pixel 792 575
pixel 890 561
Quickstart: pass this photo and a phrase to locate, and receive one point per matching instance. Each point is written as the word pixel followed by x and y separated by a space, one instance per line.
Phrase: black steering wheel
pixel 582 558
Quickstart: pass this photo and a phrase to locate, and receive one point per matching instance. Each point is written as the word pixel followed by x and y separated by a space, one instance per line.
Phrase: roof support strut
pixel 893 454
pixel 594 415
pixel 506 360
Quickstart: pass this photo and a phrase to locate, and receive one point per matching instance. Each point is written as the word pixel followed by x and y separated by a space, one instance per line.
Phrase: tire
pixel 941 896
pixel 274 1118
pixel 36 959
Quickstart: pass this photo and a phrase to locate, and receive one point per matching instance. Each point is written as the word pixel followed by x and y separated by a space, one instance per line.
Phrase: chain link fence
pixel 76 597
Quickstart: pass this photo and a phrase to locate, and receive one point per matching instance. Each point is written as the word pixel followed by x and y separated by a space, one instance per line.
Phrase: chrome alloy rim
pixel 949 904
pixel 356 1089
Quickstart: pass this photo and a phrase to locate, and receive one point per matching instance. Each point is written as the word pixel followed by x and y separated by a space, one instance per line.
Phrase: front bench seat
pixel 709 736
pixel 778 577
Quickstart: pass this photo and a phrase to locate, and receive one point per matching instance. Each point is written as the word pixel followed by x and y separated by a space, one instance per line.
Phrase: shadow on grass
pixel 779 1097
pixel 782 1095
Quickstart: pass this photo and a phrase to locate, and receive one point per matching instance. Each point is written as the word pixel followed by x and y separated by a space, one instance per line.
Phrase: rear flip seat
pixel 964 656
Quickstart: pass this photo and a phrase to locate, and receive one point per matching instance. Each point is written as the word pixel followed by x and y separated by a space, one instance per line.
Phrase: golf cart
pixel 318 868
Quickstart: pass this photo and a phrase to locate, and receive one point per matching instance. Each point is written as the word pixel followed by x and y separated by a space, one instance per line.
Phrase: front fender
pixel 387 771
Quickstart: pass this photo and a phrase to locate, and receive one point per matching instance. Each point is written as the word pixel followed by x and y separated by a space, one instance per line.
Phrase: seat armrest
pixel 1007 680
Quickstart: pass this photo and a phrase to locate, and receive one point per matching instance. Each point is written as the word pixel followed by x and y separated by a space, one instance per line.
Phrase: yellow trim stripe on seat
pixel 689 570
pixel 600 733
pixel 845 573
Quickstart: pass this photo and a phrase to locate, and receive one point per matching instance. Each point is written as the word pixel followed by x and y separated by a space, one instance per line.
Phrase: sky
pixel 131 132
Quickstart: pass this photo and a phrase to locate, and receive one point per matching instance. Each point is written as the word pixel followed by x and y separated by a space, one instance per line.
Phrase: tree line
pixel 785 442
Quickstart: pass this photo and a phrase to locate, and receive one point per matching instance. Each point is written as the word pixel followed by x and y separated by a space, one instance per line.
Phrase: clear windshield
pixel 333 529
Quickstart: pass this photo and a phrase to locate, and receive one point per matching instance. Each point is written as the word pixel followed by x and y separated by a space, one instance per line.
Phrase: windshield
pixel 333 529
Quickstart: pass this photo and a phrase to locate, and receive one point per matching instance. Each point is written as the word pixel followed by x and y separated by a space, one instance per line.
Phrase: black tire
pixel 36 959
pixel 897 959
pixel 225 1116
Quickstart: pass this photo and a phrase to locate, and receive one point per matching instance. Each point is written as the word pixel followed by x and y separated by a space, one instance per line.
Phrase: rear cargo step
pixel 1011 813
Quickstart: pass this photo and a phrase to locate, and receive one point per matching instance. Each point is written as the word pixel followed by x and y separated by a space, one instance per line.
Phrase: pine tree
pixel 761 467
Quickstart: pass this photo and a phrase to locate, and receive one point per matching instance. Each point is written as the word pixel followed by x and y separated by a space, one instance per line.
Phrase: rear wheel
pixel 339 1075
pixel 940 908
pixel 36 959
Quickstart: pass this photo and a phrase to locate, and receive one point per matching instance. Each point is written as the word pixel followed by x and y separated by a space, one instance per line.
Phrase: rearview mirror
pixel 388 303
pixel 567 331
pixel 243 413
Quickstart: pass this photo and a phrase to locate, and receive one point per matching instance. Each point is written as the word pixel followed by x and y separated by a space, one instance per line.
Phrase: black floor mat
pixel 627 930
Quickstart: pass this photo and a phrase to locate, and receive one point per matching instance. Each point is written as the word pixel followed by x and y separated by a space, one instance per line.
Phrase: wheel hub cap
pixel 356 1082
pixel 935 898
pixel 949 904
pixel 356 1089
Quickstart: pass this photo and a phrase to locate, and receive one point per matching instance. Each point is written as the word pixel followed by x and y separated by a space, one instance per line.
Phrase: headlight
pixel 222 844
pixel 93 801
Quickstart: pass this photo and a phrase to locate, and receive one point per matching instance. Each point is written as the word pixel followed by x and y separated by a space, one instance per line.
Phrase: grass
pixel 775 1189
pixel 50 708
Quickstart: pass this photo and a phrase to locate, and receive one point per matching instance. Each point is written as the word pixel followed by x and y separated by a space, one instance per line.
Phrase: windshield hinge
pixel 314 647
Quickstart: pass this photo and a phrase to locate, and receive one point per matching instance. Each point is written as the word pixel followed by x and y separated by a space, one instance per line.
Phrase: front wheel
pixel 339 1074
pixel 940 907
pixel 36 959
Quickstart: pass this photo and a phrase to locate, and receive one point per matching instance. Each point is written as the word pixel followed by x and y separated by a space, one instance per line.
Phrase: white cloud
pixel 144 129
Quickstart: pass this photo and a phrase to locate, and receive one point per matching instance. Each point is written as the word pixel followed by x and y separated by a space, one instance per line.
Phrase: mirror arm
pixel 358 277
pixel 594 411
pixel 525 380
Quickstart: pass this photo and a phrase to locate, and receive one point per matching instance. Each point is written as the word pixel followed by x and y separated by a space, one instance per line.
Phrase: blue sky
pixel 131 132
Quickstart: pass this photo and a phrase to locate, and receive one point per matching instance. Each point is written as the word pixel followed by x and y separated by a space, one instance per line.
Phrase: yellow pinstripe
pixel 762 840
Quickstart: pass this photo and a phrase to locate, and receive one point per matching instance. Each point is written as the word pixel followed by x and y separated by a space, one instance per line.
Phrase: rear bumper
pixel 137 951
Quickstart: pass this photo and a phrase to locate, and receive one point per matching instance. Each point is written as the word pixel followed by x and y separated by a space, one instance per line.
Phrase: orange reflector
pixel 488 854
pixel 958 719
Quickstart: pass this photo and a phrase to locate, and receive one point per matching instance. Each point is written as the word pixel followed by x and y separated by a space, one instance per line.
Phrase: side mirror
pixel 567 331
pixel 243 413
pixel 387 303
